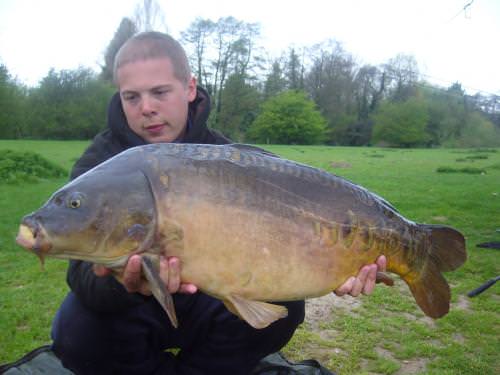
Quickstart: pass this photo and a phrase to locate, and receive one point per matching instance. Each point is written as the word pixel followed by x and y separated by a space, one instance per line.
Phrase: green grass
pixel 387 332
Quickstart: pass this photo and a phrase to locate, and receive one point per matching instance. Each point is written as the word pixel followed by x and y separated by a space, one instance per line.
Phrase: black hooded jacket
pixel 105 294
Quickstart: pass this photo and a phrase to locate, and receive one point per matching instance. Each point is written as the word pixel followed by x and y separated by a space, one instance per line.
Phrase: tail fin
pixel 445 253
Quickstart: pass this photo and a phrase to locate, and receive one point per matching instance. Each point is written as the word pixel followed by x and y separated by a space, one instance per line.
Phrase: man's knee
pixel 274 337
pixel 296 312
pixel 79 335
pixel 283 329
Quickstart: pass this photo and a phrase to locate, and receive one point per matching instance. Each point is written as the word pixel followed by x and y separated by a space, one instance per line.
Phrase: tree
pixel 126 30
pixel 401 124
pixel 149 16
pixel 294 71
pixel 288 118
pixel 13 97
pixel 402 73
pixel 69 104
pixel 330 82
pixel 241 102
pixel 368 91
pixel 219 50
pixel 369 85
pixel 478 132
pixel 489 106
pixel 196 37
pixel 233 41
pixel 275 82
pixel 449 113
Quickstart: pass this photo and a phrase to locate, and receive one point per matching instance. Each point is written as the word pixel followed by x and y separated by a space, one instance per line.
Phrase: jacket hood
pixel 199 109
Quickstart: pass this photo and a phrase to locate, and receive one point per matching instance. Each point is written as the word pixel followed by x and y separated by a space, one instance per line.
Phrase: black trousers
pixel 210 339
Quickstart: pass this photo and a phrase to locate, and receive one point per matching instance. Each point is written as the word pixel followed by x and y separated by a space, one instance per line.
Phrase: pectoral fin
pixel 150 267
pixel 258 314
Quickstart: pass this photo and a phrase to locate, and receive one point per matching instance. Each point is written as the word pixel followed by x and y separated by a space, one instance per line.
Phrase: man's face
pixel 155 102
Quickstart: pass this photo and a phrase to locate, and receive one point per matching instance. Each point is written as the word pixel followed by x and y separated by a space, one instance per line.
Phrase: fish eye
pixel 75 201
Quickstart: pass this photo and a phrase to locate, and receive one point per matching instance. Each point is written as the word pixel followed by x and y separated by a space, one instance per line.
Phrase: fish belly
pixel 260 256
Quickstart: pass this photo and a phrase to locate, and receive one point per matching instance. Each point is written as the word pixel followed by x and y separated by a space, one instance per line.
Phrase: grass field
pixel 384 333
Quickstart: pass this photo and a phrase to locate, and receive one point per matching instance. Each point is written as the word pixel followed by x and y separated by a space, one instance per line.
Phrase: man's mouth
pixel 155 129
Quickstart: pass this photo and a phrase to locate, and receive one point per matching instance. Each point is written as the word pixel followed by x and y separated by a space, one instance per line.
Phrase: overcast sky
pixel 450 44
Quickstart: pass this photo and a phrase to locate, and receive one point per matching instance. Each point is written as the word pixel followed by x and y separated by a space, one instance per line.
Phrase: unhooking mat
pixel 42 361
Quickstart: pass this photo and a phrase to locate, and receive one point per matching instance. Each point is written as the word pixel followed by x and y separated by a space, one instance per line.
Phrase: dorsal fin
pixel 255 149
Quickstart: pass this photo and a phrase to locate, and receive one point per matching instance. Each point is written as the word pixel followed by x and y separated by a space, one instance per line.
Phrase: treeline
pixel 70 104
pixel 317 94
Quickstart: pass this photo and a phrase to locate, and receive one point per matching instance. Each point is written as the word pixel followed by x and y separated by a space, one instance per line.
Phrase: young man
pixel 104 327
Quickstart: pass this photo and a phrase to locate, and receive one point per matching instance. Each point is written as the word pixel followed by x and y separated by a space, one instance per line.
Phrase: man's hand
pixel 364 282
pixel 170 273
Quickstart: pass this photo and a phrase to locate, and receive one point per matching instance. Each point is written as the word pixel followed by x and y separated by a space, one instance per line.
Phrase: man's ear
pixel 191 89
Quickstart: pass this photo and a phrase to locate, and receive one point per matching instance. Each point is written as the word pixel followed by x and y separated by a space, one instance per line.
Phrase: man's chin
pixel 160 138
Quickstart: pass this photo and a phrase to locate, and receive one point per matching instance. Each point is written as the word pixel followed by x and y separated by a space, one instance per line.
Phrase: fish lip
pixel 33 237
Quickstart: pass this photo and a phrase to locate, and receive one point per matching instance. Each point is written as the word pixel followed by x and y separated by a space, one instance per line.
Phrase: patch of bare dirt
pixel 321 309
pixel 408 366
pixel 328 334
pixel 385 353
pixel 459 338
pixel 436 343
pixel 412 366
pixel 463 303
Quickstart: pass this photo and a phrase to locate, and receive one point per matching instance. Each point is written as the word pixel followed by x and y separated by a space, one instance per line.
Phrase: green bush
pixel 21 167
pixel 470 170
pixel 288 118
pixel 477 157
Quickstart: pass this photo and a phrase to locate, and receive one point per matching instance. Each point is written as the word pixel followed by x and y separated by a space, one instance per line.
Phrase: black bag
pixel 37 362
pixel 43 361
pixel 277 364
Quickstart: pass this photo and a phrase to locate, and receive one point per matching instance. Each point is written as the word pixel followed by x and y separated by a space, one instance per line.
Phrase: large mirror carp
pixel 248 227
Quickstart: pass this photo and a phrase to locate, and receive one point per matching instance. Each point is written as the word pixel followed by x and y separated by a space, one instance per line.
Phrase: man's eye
pixel 129 98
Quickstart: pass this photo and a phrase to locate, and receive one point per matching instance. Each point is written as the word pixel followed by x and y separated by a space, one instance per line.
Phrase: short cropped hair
pixel 151 45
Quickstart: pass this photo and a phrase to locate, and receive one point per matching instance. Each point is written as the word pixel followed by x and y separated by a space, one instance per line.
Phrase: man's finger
pixel 164 270
pixel 145 289
pixel 382 263
pixel 346 287
pixel 132 274
pixel 188 288
pixel 100 270
pixel 174 275
pixel 359 282
pixel 371 277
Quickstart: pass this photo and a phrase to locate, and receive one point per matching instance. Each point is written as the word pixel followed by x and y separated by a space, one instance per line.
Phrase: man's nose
pixel 147 106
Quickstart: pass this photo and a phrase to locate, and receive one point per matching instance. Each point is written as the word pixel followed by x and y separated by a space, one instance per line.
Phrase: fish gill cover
pixel 20 167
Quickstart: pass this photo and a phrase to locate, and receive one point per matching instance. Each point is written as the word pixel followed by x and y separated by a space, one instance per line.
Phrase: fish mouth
pixel 34 238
